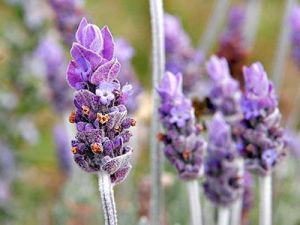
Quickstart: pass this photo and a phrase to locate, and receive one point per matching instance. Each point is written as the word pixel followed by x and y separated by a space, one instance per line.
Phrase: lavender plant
pixel 181 57
pixel 183 145
pixel 100 116
pixel 68 14
pixel 223 184
pixel 262 139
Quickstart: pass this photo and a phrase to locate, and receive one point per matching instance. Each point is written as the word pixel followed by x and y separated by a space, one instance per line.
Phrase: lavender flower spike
pixel 68 14
pixel 224 94
pixel 295 38
pixel 263 143
pixel 183 145
pixel 100 116
pixel 223 184
pixel 262 139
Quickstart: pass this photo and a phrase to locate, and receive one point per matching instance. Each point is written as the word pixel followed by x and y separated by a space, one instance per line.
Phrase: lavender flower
pixel 124 53
pixel 262 139
pixel 183 144
pixel 180 55
pixel 100 117
pixel 53 56
pixel 224 95
pixel 295 37
pixel 232 43
pixel 68 14
pixel 63 149
pixel 223 184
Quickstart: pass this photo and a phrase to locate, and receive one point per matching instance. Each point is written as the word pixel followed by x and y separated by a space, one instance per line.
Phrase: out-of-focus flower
pixel 181 57
pixel 232 45
pixel 36 12
pixel 294 23
pixel 53 56
pixel 225 95
pixel 68 14
pixel 124 53
pixel 28 131
pixel 7 172
pixel 262 138
pixel 101 116
pixel 223 184
pixel 63 148
pixel 184 147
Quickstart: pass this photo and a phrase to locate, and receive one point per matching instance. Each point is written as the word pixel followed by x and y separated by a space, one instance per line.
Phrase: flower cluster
pixel 101 116
pixel 294 23
pixel 53 56
pixel 180 55
pixel 184 146
pixel 62 148
pixel 68 14
pixel 124 53
pixel 223 184
pixel 224 95
pixel 232 45
pixel 262 139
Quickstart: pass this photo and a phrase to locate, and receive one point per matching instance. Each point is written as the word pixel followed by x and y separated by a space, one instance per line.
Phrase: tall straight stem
pixel 194 200
pixel 158 68
pixel 265 200
pixel 282 47
pixel 107 199
pixel 213 25
pixel 253 10
pixel 223 215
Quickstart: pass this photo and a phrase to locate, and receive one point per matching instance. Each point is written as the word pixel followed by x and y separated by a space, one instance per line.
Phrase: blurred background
pixel 37 185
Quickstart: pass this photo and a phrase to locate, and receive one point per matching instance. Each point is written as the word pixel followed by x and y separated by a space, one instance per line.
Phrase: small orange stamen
pixel 74 150
pixel 186 154
pixel 96 148
pixel 250 148
pixel 85 110
pixel 160 136
pixel 133 122
pixel 72 117
pixel 102 118
pixel 118 128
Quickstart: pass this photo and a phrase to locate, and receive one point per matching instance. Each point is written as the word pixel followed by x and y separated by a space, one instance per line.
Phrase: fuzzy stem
pixel 265 200
pixel 282 47
pixel 253 10
pixel 107 198
pixel 194 199
pixel 213 25
pixel 158 68
pixel 236 212
pixel 223 216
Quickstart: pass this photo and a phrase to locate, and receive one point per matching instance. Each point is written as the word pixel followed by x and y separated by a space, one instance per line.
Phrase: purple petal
pixel 106 72
pixel 79 33
pixel 108 44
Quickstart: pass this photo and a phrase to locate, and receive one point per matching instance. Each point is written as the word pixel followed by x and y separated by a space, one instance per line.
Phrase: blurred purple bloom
pixel 180 55
pixel 124 53
pixel 259 98
pixel 184 147
pixel 294 23
pixel 63 148
pixel 263 141
pixel 68 14
pixel 101 116
pixel 224 94
pixel 223 184
pixel 53 56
